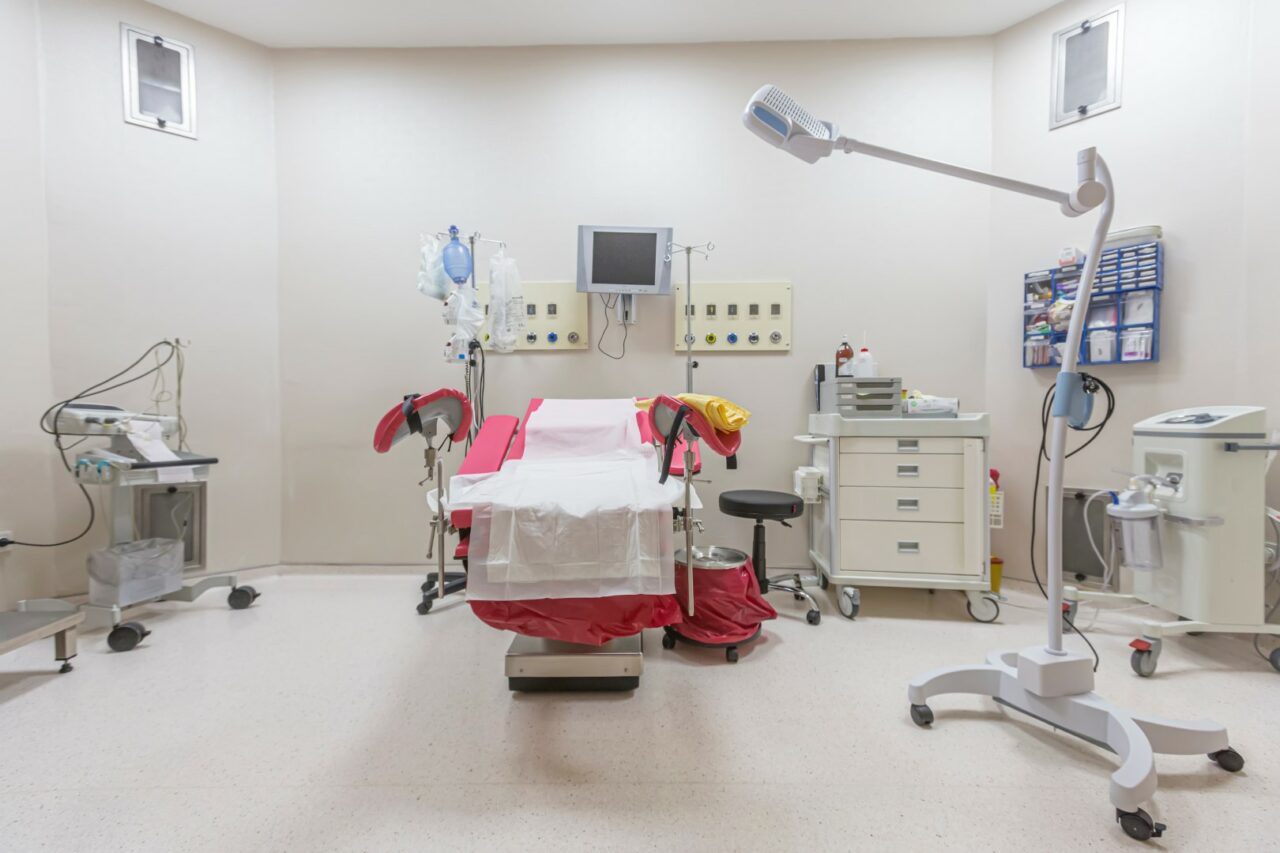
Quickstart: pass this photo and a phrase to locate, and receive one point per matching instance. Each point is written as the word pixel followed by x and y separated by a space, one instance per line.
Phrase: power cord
pixel 165 352
pixel 1092 385
pixel 626 330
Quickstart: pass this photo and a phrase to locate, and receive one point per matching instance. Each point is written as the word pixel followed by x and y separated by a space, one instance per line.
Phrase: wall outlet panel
pixel 557 316
pixel 736 317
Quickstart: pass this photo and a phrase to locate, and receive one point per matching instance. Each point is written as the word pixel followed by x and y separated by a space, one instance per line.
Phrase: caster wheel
pixel 424 607
pixel 1228 759
pixel 668 641
pixel 849 604
pixel 1069 615
pixel 823 583
pixel 986 612
pixel 813 617
pixel 1139 825
pixel 241 597
pixel 921 715
pixel 126 636
pixel 1274 657
pixel 731 655
pixel 1143 663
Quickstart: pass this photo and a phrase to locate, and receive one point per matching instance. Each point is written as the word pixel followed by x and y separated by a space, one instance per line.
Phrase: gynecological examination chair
pixel 566 535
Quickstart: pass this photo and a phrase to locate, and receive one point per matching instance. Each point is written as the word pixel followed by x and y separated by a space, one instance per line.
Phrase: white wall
pixel 26 498
pixel 152 235
pixel 375 147
pixel 1262 216
pixel 1177 150
pixel 147 236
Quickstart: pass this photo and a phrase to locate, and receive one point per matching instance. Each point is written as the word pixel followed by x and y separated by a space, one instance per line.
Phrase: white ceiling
pixel 473 23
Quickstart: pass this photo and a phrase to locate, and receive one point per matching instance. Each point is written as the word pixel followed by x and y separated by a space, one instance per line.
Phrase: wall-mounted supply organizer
pixel 1123 325
pixel 736 317
pixel 556 316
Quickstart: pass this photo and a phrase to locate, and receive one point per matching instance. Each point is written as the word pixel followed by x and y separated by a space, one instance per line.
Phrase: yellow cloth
pixel 722 414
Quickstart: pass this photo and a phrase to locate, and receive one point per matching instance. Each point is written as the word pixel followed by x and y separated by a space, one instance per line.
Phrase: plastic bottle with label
pixel 844 358
pixel 864 366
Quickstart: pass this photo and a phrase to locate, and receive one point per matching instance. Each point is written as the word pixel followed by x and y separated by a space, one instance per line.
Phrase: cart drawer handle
pixel 905 547
pixel 908 445
pixel 908 470
pixel 908 504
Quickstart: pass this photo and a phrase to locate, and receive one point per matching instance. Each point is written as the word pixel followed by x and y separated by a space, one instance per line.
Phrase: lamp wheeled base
pixel 1135 738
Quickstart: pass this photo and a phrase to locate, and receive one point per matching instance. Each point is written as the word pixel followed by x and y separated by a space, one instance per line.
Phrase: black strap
pixel 669 449
pixel 411 416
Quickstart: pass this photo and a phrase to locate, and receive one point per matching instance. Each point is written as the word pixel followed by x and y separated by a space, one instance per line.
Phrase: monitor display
pixel 624 260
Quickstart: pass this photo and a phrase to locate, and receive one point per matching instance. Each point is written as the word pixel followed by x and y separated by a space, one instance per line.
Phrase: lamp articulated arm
pixel 1088 194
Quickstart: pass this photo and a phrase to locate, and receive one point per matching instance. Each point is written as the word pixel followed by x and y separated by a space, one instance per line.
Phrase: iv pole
pixel 704 249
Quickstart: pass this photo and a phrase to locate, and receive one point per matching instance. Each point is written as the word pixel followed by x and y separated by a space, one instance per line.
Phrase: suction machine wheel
pixel 668 640
pixel 1139 825
pixel 241 597
pixel 921 715
pixel 988 610
pixel 813 617
pixel 126 636
pixel 1143 663
pixel 1228 759
pixel 424 606
pixel 731 654
pixel 848 601
pixel 1274 657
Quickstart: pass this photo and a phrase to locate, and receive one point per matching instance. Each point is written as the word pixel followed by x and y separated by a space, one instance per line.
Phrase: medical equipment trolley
pixel 901 502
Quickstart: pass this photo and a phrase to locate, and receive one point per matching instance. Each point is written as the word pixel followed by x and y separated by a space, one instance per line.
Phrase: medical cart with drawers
pixel 900 502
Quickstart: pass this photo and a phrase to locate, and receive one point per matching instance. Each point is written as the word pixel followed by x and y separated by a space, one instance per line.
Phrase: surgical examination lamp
pixel 1047 682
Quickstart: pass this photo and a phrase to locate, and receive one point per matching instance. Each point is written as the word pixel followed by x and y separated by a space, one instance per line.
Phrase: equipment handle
pixel 669 443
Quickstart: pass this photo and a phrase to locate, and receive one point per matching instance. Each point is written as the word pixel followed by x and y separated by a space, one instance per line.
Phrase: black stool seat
pixel 758 503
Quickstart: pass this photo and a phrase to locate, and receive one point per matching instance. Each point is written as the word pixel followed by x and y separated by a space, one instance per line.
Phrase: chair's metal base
pixel 794 584
pixel 534 663
pixel 1133 737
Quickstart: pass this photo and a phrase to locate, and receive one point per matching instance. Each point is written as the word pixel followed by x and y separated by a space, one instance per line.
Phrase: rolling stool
pixel 769 506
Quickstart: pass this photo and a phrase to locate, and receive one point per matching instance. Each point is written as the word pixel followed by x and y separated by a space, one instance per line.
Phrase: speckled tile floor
pixel 330 716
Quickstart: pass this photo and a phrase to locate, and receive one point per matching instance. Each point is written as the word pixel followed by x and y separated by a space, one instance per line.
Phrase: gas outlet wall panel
pixel 736 317
pixel 555 315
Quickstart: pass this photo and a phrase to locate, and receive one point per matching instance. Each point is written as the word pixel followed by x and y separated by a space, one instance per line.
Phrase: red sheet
pixel 727 604
pixel 590 621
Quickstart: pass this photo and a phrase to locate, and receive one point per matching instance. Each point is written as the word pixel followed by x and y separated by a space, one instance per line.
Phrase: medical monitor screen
pixel 623 260
pixel 620 257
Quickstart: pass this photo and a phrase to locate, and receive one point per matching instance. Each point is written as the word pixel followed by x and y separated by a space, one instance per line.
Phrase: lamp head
pixel 780 121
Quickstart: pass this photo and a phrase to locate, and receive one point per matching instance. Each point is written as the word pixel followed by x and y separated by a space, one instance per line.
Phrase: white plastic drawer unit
pixel 905 501
pixel 891 547
pixel 874 503
pixel 917 470
pixel 896 444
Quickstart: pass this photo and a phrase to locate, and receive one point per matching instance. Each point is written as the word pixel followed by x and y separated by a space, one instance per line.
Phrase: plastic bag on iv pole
pixel 432 280
pixel 462 311
pixel 506 303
